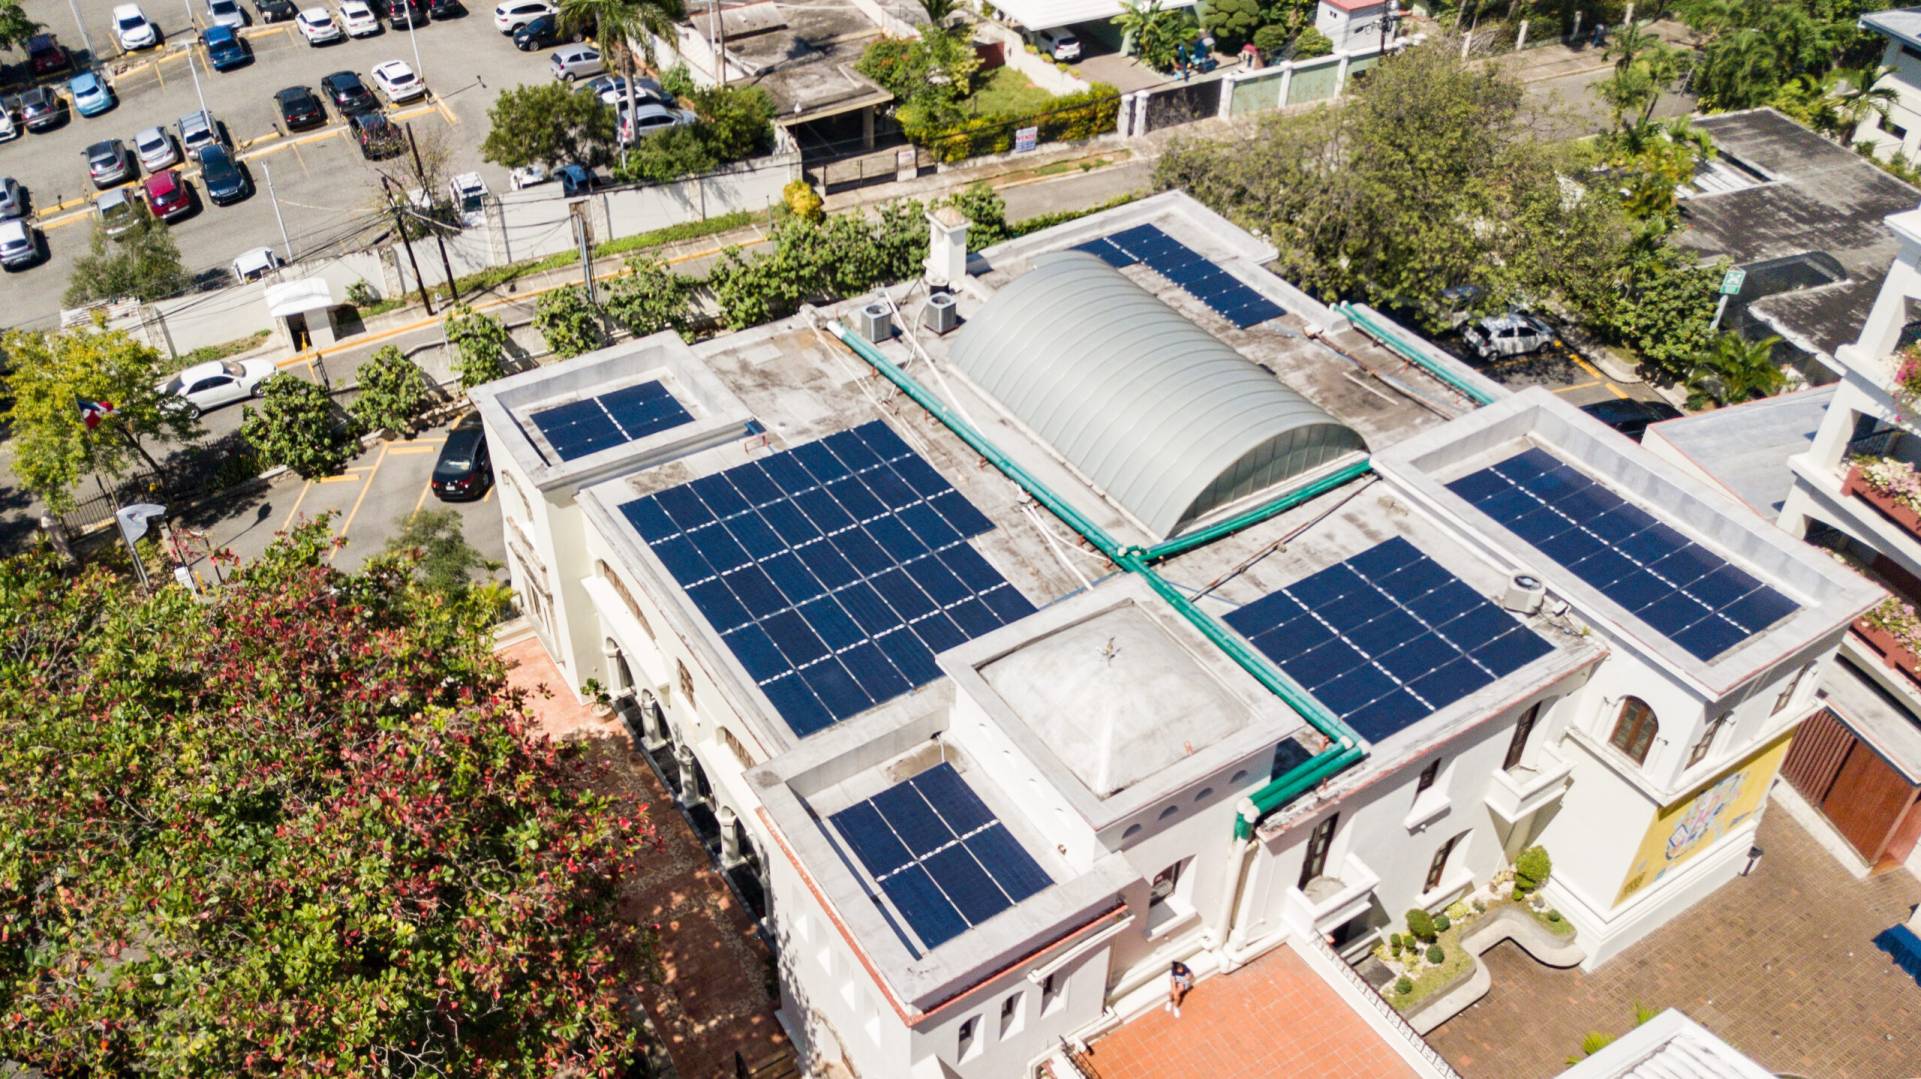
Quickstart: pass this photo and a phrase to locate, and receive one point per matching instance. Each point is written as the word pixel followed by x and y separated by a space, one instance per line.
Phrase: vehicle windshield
pixel 129 22
pixel 470 202
pixel 453 465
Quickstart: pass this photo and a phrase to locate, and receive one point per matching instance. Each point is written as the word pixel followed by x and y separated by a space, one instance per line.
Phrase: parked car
pixel 13 199
pixel 19 245
pixel 1516 333
pixel 134 29
pixel 445 9
pixel 377 136
pixel 349 95
pixel 1059 43
pixel 406 14
pixel 199 130
pixel 254 264
pixel 317 25
pixel 613 90
pixel 397 82
pixel 9 127
pixel 649 118
pixel 167 195
pixel 575 62
pixel 47 55
pixel 574 180
pixel 464 469
pixel 227 13
pixel 527 176
pixel 108 163
pixel 42 110
pixel 118 210
pixel 226 182
pixel 1631 417
pixel 469 192
pixel 215 383
pixel 538 33
pixel 155 149
pixel 90 93
pixel 299 108
pixel 358 19
pixel 515 14
pixel 275 10
pixel 225 49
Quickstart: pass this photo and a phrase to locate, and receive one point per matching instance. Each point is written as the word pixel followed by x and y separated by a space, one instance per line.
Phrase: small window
pixel 964 1042
pixel 1897 131
pixel 686 682
pixel 1700 749
pixel 1164 884
pixel 1517 745
pixel 1050 994
pixel 1634 730
pixel 1438 866
pixel 1788 691
pixel 1011 1014
pixel 1317 844
pixel 1428 776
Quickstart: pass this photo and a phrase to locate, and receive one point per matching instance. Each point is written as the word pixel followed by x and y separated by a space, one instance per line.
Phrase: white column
pixel 652 732
pixel 729 836
pixel 689 775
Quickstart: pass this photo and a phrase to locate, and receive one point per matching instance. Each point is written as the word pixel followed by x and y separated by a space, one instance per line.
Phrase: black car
pixel 464 471
pixel 349 94
pixel 299 108
pixel 276 10
pixel 42 110
pixel 377 136
pixel 1631 417
pixel 226 182
pixel 399 12
pixel 541 33
pixel 445 9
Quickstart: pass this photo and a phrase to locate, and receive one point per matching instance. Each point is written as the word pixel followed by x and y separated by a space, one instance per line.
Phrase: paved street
pixel 325 189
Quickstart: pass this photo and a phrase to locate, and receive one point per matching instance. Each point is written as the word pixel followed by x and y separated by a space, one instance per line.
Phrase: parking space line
pixel 298 499
pixel 1598 377
pixel 348 523
pixel 428 447
pixel 422 500
pixel 445 111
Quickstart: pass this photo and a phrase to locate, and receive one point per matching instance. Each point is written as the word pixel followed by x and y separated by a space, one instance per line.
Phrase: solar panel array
pixel 835 570
pixel 1387 637
pixel 588 426
pixel 1686 592
pixel 939 854
pixel 1221 291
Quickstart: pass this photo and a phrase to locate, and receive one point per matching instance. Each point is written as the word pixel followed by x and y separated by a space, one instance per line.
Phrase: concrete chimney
pixel 946 247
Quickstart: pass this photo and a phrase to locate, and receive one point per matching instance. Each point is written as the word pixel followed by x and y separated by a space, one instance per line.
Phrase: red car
pixel 167 195
pixel 47 55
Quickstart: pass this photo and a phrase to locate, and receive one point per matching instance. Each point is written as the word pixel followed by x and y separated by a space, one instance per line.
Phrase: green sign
pixel 1731 282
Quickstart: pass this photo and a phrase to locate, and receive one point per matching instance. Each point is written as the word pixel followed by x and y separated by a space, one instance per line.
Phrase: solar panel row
pixel 1221 291
pixel 939 854
pixel 1686 592
pixel 579 428
pixel 1387 637
pixel 835 571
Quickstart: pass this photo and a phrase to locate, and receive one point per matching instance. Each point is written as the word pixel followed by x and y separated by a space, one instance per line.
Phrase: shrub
pixel 1420 924
pixel 1271 40
pixel 480 346
pixel 649 298
pixel 393 390
pixel 1067 118
pixel 1394 945
pixel 1480 906
pixel 1312 43
pixel 568 322
pixel 1442 922
pixel 1531 870
pixel 297 425
pixel 362 294
pixel 1231 21
pixel 986 213
pixel 1457 910
pixel 801 199
pixel 1554 915
pixel 1404 985
pixel 678 81
pixel 1435 955
pixel 1518 895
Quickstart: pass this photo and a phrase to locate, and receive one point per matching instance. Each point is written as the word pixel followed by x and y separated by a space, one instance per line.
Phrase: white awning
pixel 1043 14
pixel 300 297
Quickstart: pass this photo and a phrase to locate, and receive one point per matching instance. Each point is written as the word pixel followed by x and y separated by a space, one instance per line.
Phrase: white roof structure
pixel 1161 415
pixel 300 297
pixel 1668 1046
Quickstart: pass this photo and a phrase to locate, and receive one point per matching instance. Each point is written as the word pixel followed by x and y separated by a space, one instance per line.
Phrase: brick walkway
pixel 1781 964
pixel 711 997
pixel 1273 1017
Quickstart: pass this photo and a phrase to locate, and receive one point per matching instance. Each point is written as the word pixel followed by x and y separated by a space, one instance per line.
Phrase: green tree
pixel 1659 304
pixel 617 24
pixel 1751 49
pixel 1654 158
pixel 550 124
pixel 47 376
pixel 1734 369
pixel 1151 32
pixel 480 345
pixel 1644 69
pixel 1858 93
pixel 444 563
pixel 568 321
pixel 299 826
pixel 736 123
pixel 15 25
pixel 392 391
pixel 143 263
pixel 297 425
pixel 986 213
pixel 649 298
pixel 1232 22
pixel 1312 43
pixel 839 256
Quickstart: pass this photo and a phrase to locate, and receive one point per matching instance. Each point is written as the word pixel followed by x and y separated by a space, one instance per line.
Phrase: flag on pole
pixel 94 411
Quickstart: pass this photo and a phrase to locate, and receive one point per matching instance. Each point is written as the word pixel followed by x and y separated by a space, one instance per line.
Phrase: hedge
pixel 1071 117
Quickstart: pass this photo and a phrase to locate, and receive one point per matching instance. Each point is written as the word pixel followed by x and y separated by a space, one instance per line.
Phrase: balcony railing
pixel 1888 506
pixel 1514 793
pixel 1894 655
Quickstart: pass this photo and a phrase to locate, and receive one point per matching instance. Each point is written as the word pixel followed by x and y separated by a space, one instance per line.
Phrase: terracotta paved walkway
pixel 711 997
pixel 1781 964
pixel 1272 1018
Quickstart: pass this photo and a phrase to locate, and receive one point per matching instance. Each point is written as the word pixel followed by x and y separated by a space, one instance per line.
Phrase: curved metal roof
pixel 1165 418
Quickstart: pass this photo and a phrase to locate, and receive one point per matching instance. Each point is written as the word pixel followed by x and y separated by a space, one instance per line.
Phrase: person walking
pixel 1179 981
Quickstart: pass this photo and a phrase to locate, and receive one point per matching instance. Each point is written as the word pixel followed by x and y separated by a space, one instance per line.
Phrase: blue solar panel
pixel 579 428
pixel 939 854
pixel 1682 590
pixel 1221 291
pixel 1387 637
pixel 847 558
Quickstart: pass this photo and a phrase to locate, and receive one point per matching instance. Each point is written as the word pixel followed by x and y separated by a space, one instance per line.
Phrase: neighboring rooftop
pixel 1668 1046
pixel 1812 223
pixel 1902 24
pixel 1858 694
pixel 803 55
pixel 1745 448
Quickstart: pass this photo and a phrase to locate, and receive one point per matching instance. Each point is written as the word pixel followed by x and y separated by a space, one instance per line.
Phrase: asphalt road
pixel 323 186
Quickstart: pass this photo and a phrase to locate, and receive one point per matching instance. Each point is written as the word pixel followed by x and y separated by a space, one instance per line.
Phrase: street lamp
pixel 420 72
pixel 81 25
pixel 187 6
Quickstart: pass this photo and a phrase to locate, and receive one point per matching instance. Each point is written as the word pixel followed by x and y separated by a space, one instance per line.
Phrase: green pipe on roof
pixel 1411 354
pixel 1287 501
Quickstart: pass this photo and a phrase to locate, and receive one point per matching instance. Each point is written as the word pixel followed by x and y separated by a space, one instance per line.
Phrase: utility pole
pixel 187 6
pixel 285 243
pixel 400 225
pixel 584 236
pixel 81 25
pixel 420 173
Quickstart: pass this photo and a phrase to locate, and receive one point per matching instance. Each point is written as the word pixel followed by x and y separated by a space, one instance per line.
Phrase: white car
pixel 470 195
pixel 227 13
pixel 527 176
pixel 8 129
pixel 1058 43
pixel 397 82
pixel 317 25
pixel 515 14
pixel 134 29
pixel 19 246
pixel 1516 333
pixel 155 149
pixel 359 19
pixel 255 264
pixel 217 382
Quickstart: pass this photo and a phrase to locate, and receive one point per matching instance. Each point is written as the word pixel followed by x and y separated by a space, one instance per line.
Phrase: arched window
pixel 1634 730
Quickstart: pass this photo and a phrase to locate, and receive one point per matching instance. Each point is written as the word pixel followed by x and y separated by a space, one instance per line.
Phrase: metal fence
pixel 1380 1004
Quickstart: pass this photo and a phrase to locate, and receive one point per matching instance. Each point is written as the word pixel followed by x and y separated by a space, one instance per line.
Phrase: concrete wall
pixel 1900 131
pixel 1296 82
pixel 221 315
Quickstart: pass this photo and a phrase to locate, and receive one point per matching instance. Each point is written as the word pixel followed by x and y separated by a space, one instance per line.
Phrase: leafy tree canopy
pixel 300 827
pixel 1750 49
pixel 15 25
pixel 297 425
pixel 143 263
pixel 480 345
pixel 649 298
pixel 568 321
pixel 392 391
pixel 736 122
pixel 549 124
pixel 1232 22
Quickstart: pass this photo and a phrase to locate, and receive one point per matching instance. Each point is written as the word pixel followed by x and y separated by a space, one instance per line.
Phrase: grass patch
pixel 490 279
pixel 1007 92
pixel 207 353
pixel 1557 925
pixel 1059 167
pixel 1432 978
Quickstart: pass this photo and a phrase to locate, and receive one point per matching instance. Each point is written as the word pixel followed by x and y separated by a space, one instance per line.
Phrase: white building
pixel 1154 613
pixel 1900 130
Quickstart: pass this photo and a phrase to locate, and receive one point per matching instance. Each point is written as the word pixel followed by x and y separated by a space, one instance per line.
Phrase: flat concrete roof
pixel 1902 24
pixel 1745 448
pixel 801 54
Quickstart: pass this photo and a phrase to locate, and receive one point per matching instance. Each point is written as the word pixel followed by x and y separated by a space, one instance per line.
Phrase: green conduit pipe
pixel 1411 354
pixel 1346 749
pixel 1205 536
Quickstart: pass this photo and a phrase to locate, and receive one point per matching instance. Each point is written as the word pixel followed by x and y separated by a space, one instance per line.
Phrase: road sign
pixel 1731 282
pixel 1026 138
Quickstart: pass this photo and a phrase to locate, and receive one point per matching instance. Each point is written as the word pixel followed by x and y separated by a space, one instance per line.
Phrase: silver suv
pixel 1516 333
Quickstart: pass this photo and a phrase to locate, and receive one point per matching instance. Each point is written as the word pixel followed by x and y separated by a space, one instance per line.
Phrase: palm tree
pixel 616 24
pixel 1857 93
pixel 937 12
pixel 1734 369
pixel 1152 31
pixel 1629 44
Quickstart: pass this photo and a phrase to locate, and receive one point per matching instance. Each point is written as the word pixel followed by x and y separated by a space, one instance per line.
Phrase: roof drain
pixel 1346 748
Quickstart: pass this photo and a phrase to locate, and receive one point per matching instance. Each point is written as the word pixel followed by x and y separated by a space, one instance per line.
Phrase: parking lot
pixel 325 190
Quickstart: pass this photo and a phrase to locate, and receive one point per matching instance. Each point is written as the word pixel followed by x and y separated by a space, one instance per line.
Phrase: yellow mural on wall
pixel 1697 823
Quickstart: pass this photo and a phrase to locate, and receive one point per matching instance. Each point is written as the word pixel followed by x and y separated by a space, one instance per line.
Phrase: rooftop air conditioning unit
pixel 941 315
pixel 1525 593
pixel 875 321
